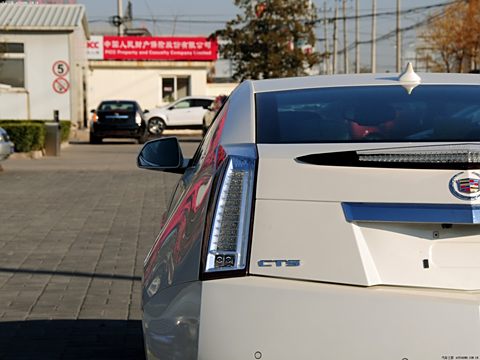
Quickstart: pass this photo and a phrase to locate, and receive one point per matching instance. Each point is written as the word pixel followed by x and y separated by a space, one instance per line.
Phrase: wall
pixel 215 89
pixel 41 52
pixel 140 81
pixel 13 104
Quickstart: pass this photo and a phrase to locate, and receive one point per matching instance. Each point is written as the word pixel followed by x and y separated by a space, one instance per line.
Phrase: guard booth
pixel 42 61
pixel 152 70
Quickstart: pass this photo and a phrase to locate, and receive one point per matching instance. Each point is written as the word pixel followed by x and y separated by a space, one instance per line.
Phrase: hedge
pixel 30 135
pixel 26 136
pixel 65 130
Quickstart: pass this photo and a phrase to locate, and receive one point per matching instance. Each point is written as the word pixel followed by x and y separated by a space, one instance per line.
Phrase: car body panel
pixel 182 117
pixel 286 319
pixel 333 249
pixel 6 146
pixel 380 79
pixel 330 249
pixel 174 259
pixel 171 323
pixel 239 127
pixel 308 182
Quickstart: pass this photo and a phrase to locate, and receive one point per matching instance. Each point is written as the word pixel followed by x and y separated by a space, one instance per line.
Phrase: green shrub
pixel 65 130
pixel 21 144
pixel 27 136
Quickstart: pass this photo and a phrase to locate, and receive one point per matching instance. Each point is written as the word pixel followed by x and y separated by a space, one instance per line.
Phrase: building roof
pixel 42 17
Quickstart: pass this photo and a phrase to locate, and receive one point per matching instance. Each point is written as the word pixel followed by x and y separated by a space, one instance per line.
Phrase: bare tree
pixel 454 37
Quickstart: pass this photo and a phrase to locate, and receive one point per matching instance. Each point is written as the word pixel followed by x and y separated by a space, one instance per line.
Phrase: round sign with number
pixel 60 85
pixel 60 68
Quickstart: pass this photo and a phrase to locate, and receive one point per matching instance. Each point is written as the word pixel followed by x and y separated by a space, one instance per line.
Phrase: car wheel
pixel 156 126
pixel 95 139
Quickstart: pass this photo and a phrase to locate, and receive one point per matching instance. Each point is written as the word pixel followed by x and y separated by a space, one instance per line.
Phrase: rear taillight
pixel 228 240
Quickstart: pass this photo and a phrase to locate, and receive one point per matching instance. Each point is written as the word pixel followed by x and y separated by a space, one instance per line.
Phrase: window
pixel 182 105
pixel 12 64
pixel 202 103
pixel 174 88
pixel 369 114
pixel 116 106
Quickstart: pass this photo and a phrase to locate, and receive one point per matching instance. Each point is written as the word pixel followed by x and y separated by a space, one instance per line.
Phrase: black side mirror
pixel 162 154
pixel 146 111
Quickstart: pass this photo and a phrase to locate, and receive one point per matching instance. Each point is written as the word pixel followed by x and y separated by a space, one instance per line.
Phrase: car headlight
pixel 138 119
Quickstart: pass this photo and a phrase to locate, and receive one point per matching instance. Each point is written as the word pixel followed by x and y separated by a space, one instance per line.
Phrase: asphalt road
pixel 74 231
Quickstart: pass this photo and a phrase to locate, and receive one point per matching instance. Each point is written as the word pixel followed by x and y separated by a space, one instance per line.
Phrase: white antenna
pixel 409 78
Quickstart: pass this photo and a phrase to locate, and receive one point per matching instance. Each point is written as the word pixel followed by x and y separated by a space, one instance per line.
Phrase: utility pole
pixel 357 39
pixel 399 40
pixel 120 15
pixel 373 59
pixel 345 44
pixel 334 67
pixel 325 35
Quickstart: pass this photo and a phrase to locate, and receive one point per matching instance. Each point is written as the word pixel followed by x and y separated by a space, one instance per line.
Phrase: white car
pixel 324 217
pixel 6 146
pixel 186 112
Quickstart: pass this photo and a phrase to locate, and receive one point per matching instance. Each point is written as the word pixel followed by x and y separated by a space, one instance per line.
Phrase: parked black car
pixel 118 119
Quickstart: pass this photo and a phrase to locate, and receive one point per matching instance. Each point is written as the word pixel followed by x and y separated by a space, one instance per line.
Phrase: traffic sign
pixel 60 85
pixel 60 68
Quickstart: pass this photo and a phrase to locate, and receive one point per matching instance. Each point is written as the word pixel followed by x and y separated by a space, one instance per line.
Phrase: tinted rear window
pixel 369 114
pixel 116 106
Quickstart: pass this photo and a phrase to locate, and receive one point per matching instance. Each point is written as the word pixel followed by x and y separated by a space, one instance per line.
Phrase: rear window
pixel 369 114
pixel 116 106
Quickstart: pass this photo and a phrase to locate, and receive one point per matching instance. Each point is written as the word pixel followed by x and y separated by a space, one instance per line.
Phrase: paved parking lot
pixel 74 231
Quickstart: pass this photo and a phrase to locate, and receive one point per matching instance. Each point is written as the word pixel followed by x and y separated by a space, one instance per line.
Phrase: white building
pixel 42 61
pixel 151 70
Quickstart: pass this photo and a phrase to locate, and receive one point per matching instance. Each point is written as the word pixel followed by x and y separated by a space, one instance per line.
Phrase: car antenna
pixel 409 78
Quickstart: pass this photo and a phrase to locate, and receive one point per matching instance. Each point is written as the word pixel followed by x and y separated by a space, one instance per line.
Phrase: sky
pixel 202 17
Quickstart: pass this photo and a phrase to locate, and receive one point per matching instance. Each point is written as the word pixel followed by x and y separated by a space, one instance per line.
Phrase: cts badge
pixel 278 263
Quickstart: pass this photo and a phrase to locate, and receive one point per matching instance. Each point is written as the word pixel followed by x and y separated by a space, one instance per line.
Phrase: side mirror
pixel 146 111
pixel 93 111
pixel 162 154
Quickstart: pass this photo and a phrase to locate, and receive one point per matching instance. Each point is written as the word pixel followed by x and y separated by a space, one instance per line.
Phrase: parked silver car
pixel 6 146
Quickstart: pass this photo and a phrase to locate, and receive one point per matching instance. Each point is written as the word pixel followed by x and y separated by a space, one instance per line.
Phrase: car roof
pixel 240 125
pixel 117 101
pixel 384 79
pixel 196 97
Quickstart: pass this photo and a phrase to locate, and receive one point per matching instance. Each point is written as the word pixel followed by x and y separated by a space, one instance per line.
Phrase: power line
pixel 387 13
pixel 393 32
pixel 156 18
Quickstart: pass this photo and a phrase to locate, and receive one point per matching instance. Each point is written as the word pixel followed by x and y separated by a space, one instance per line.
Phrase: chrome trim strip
pixel 412 213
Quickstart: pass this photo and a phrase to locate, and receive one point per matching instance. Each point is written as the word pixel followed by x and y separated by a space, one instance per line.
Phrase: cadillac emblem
pixel 465 185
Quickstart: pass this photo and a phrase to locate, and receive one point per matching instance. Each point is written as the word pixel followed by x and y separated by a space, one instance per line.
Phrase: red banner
pixel 158 48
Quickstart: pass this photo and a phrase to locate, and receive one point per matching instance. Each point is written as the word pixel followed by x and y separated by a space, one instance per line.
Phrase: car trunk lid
pixel 365 225
pixel 116 117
